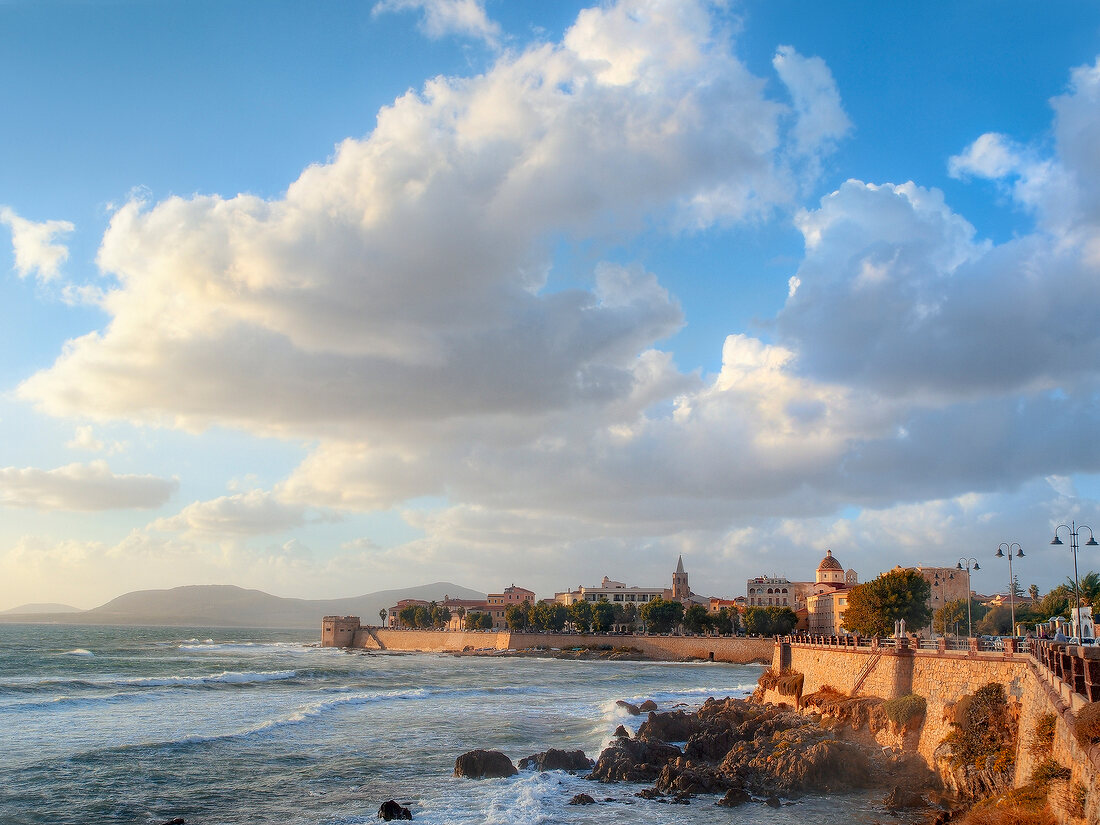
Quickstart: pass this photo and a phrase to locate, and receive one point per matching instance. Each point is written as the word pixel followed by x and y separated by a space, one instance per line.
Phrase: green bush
pixel 1048 771
pixel 905 710
pixel 983 732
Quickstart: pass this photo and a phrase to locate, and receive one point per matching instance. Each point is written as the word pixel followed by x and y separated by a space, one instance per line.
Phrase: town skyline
pixel 329 300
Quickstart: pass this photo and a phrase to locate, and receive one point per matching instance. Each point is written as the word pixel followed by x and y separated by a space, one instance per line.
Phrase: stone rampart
pixel 942 678
pixel 668 648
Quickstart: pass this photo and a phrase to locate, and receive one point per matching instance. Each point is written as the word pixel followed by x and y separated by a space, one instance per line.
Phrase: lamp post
pixel 968 565
pixel 1011 581
pixel 941 584
pixel 1074 528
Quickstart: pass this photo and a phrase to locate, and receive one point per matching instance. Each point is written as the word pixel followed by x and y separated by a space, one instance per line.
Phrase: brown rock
pixel 632 760
pixel 556 760
pixel 633 710
pixel 481 764
pixel 901 798
pixel 675 726
pixel 582 799
pixel 734 797
pixel 392 810
pixel 622 731
pixel 647 706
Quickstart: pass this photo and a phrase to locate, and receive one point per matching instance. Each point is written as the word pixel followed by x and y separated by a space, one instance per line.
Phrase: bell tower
pixel 680 589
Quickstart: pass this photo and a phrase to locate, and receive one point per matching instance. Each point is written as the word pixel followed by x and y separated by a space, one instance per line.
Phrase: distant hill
pixel 225 605
pixel 40 607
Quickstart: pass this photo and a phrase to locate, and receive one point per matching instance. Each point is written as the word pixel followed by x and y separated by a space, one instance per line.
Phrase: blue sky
pixel 539 318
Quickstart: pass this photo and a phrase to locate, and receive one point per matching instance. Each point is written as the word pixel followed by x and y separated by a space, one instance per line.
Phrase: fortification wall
pixel 942 679
pixel 669 648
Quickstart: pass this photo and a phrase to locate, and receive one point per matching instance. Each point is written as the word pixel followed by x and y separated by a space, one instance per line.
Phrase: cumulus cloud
pixel 439 18
pixel 242 514
pixel 35 244
pixel 84 438
pixel 407 278
pixel 81 487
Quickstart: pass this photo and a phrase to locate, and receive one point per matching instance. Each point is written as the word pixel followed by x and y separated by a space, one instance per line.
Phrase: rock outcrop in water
pixel 391 810
pixel 481 764
pixel 734 747
pixel 556 760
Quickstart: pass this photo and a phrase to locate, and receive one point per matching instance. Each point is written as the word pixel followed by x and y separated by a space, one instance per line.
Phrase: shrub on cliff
pixel 1087 726
pixel 906 712
pixel 787 682
pixel 1041 743
pixel 983 734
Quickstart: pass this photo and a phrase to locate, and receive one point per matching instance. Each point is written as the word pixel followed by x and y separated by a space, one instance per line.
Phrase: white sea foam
pixel 80 651
pixel 225 677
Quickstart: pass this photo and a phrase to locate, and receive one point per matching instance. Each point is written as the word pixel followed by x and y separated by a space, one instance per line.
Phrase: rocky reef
pixel 732 745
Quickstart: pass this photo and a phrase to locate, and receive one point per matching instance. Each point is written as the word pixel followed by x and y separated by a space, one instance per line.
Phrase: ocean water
pixel 142 725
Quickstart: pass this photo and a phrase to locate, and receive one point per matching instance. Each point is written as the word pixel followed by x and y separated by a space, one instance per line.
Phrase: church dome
pixel 829 563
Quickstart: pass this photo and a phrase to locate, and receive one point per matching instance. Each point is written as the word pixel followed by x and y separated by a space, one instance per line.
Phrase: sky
pixel 326 298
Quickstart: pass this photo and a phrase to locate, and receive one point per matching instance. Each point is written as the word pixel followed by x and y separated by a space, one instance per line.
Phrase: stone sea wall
pixel 942 678
pixel 670 648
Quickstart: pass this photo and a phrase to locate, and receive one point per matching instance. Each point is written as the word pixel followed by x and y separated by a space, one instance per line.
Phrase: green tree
pixel 580 614
pixel 440 615
pixel 603 616
pixel 783 620
pixel 696 619
pixel 485 621
pixel 516 616
pixel 382 617
pixel 423 617
pixel 723 622
pixel 661 615
pixel 875 606
pixel 758 622
pixel 472 621
pixel 1056 603
pixel 1088 587
pixel 945 619
pixel 407 615
pixel 558 616
pixel 1033 591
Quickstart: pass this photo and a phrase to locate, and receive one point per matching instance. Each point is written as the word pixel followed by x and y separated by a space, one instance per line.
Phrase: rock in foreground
pixel 481 764
pixel 392 810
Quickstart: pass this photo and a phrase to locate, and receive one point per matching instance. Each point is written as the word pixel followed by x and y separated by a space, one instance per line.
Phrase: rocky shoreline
pixel 733 752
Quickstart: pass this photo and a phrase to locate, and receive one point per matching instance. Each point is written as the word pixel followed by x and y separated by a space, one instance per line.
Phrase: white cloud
pixel 820 120
pixel 35 245
pixel 242 514
pixel 440 18
pixel 404 281
pixel 81 487
pixel 84 438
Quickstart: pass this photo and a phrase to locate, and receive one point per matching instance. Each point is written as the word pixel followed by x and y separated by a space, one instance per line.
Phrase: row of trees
pixel 427 616
pixel 658 615
pixel 903 594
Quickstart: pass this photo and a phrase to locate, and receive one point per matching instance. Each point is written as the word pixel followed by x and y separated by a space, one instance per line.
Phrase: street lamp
pixel 1011 581
pixel 968 565
pixel 942 585
pixel 1074 529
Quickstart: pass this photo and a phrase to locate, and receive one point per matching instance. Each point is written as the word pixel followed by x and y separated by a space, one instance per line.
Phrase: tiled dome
pixel 829 563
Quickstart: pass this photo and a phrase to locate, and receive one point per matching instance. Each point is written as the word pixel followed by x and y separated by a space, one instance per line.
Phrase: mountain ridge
pixel 227 605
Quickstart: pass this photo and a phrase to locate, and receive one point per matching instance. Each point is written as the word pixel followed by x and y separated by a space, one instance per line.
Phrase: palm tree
pixel 1089 586
pixel 382 616
pixel 1033 591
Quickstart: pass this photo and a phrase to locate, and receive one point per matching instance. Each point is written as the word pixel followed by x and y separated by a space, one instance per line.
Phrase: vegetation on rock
pixel 906 712
pixel 978 756
pixel 1041 743
pixel 1086 727
pixel 787 682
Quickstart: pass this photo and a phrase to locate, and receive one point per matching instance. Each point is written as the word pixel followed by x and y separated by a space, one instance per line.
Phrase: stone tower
pixel 680 589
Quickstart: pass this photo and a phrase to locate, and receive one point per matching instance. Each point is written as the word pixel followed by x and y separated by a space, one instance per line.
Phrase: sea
pixel 219 726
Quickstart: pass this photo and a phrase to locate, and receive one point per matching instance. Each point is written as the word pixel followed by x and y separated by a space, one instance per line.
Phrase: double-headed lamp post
pixel 1001 548
pixel 968 565
pixel 1074 528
